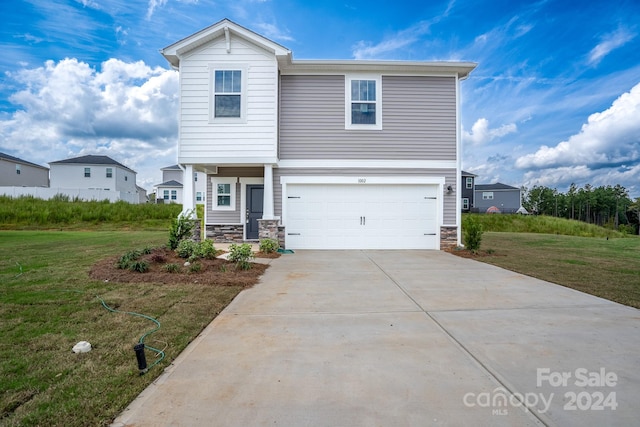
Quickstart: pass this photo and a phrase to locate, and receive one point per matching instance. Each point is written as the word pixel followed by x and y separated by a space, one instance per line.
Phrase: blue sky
pixel 555 98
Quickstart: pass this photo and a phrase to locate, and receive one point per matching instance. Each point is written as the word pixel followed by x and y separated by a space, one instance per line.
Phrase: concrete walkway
pixel 402 338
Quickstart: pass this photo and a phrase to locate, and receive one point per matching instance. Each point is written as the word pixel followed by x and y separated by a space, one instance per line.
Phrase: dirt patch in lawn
pixel 216 271
pixel 466 253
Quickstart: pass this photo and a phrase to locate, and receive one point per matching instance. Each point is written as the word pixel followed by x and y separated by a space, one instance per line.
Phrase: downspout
pixel 459 163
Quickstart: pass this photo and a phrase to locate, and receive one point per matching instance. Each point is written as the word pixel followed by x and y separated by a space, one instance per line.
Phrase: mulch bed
pixel 216 272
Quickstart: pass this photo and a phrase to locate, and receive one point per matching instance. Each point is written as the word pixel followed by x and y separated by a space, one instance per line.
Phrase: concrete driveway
pixel 406 338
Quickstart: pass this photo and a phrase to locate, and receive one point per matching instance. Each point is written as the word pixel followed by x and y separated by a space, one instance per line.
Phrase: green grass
pixel 605 264
pixel 49 304
pixel 32 213
pixel 541 224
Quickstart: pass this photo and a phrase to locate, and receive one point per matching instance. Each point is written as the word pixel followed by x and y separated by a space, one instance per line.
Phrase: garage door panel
pixel 339 216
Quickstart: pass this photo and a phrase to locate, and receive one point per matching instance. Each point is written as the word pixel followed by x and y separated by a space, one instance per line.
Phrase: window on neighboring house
pixel 469 182
pixel 465 203
pixel 224 194
pixel 109 172
pixel 174 194
pixel 363 109
pixel 227 96
pixel 195 176
pixel 165 194
pixel 487 195
pixel 18 170
pixel 87 172
pixel 198 196
pixel 126 178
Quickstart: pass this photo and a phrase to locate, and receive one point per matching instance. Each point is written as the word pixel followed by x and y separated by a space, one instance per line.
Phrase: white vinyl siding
pixel 253 137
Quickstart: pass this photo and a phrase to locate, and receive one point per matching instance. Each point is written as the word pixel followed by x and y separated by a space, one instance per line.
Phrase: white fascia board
pixel 228 161
pixel 363 180
pixel 435 68
pixel 365 164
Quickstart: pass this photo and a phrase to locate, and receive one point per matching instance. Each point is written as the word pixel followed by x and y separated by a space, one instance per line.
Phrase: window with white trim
pixel 228 93
pixel 487 195
pixel 109 172
pixel 363 102
pixel 174 194
pixel 465 203
pixel 87 172
pixel 18 169
pixel 198 196
pixel 165 195
pixel 469 182
pixel 224 194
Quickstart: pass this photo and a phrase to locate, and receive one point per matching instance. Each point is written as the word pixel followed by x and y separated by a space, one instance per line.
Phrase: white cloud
pixel 608 43
pixel 481 133
pixel 271 31
pixel 611 137
pixel 127 111
pixel 153 4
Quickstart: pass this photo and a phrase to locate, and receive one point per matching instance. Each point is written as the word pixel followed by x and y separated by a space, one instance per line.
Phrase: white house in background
pixel 322 154
pixel 15 172
pixel 170 191
pixel 96 173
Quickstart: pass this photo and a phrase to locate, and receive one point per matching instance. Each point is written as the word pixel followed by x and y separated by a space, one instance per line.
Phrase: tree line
pixel 608 206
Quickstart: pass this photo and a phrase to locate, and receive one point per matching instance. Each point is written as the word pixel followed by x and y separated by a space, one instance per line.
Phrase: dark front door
pixel 255 195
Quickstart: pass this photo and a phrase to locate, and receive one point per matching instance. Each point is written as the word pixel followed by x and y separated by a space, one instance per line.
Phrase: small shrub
pixel 187 248
pixel 181 228
pixel 223 268
pixel 127 259
pixel 195 267
pixel 472 233
pixel 269 246
pixel 172 268
pixel 139 266
pixel 147 250
pixel 207 250
pixel 241 254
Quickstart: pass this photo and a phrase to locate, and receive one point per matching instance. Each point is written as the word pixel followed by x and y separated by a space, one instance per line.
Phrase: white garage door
pixel 348 216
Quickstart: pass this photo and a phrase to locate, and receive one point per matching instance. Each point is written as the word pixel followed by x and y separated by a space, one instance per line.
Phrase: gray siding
pixel 508 201
pixel 418 120
pixel 449 214
pixel 30 176
pixel 222 217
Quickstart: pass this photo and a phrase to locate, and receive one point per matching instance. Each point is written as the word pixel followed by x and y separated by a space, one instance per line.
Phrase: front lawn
pixel 49 303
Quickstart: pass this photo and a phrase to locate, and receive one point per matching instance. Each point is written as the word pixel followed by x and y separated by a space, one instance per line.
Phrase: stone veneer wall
pixel 269 229
pixel 197 230
pixel 448 237
pixel 233 233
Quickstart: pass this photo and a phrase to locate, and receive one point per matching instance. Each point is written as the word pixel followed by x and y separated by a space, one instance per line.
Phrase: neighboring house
pixel 322 154
pixel 15 172
pixel 142 195
pixel 467 193
pixel 100 173
pixel 170 191
pixel 497 198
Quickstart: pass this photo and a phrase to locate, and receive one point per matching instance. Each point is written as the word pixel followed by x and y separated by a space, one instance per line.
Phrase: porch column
pixel 188 199
pixel 267 207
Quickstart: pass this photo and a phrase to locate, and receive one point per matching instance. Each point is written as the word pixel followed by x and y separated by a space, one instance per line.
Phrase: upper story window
pixel 227 94
pixel 18 169
pixel 87 172
pixel 109 172
pixel 363 109
pixel 469 182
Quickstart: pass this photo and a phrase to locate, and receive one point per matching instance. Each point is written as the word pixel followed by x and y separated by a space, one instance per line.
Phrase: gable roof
pixel 4 156
pixel 463 173
pixel 225 28
pixel 171 168
pixel 495 187
pixel 92 160
pixel 172 183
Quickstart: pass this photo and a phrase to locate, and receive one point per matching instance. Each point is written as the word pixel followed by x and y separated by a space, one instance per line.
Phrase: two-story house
pixel 170 190
pixel 325 154
pixel 467 190
pixel 94 173
pixel 21 173
pixel 497 198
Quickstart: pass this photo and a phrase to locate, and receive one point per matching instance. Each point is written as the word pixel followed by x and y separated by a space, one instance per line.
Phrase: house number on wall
pixel 362 180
